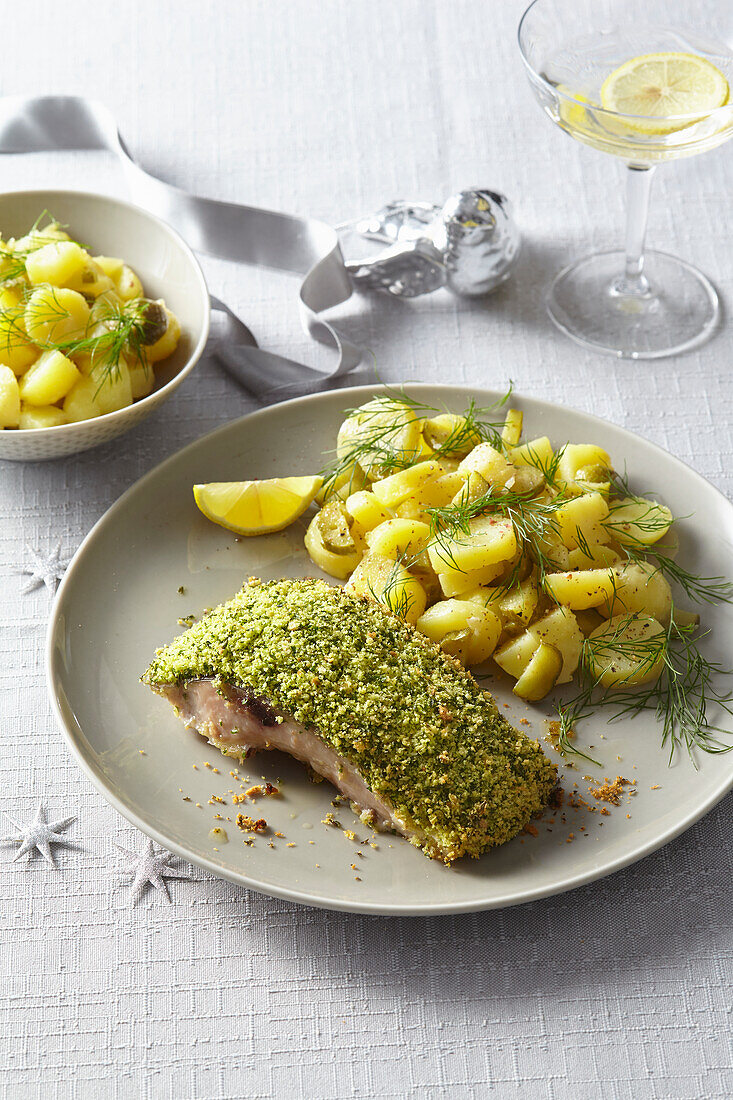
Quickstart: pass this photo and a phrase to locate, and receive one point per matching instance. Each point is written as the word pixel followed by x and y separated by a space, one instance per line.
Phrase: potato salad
pixel 78 337
pixel 497 548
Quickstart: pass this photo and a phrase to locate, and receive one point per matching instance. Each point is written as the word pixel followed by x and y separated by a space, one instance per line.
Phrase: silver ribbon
pixel 231 231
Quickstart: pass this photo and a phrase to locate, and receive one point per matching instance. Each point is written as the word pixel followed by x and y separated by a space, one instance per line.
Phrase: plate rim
pixel 67 724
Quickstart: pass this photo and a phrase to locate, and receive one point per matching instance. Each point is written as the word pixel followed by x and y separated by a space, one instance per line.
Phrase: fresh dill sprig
pixel 533 521
pixel 680 697
pixel 548 468
pixel 569 714
pixel 125 330
pixel 113 331
pixel 700 589
pixel 697 588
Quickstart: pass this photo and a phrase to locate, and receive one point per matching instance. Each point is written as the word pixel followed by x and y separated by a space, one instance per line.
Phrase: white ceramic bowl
pixel 168 269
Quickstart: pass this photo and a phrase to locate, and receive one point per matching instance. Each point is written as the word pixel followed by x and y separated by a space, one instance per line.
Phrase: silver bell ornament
pixel 469 245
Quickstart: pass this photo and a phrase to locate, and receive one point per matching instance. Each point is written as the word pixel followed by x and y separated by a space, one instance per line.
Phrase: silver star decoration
pixel 40 834
pixel 149 867
pixel 42 570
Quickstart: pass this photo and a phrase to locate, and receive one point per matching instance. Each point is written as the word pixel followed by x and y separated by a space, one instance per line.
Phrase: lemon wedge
pixel 256 507
pixel 663 86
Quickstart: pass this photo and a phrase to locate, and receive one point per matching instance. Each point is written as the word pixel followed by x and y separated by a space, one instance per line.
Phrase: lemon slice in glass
pixel 256 507
pixel 662 87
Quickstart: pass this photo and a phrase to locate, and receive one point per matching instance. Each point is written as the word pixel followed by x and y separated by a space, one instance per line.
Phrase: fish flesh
pixel 400 728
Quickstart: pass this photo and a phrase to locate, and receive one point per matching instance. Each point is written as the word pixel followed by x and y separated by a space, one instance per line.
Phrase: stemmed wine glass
pixel 647 81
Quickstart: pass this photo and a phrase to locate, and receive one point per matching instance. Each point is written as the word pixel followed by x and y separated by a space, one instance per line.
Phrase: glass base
pixel 673 308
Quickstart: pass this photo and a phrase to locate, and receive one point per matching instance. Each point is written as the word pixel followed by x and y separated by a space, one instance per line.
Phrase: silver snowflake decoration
pixel 150 867
pixel 40 834
pixel 48 569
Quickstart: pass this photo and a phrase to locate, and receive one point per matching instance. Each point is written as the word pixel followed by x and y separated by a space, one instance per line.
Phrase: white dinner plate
pixel 120 599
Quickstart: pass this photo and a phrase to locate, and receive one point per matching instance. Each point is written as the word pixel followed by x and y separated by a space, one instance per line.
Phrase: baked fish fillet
pixel 399 727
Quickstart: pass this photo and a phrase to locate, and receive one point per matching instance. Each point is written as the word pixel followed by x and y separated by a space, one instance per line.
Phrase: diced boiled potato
pixel 398 538
pixel 600 557
pixel 56 315
pixel 627 651
pixel 512 431
pixel 560 629
pixel 424 450
pixel 81 402
pixel 473 486
pixel 439 491
pixel 397 488
pixel 585 459
pixel 365 510
pixel 388 582
pixel 92 282
pixel 581 519
pixel 454 582
pixel 16 350
pixel 639 587
pixel 336 565
pixel 490 539
pixel 83 361
pixel 100 392
pixel 537 453
pixel 58 263
pixel 582 589
pixel 526 480
pixel 351 480
pixel 9 399
pixel 41 416
pixel 110 265
pixel 167 343
pixel 638 522
pixel 519 603
pixel 450 434
pixel 48 380
pixel 142 379
pixel 448 465
pixel 554 549
pixel 114 386
pixel 379 430
pixel 412 509
pixel 463 629
pixel 487 597
pixel 489 463
pixel 128 286
pixel 514 656
pixel 540 675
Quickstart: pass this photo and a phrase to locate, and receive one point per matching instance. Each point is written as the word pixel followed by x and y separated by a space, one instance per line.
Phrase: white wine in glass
pixel 648 81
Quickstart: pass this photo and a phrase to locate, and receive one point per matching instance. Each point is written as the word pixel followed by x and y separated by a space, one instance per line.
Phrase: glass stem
pixel 638 186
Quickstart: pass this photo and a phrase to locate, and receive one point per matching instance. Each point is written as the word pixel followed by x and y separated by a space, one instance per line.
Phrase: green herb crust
pixel 424 736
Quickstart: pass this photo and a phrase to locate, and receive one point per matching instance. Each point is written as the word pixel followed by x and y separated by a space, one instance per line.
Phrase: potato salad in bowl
pixel 78 336
pixel 104 311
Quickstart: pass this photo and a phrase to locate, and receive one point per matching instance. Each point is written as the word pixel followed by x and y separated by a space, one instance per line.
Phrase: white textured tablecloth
pixel 617 990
